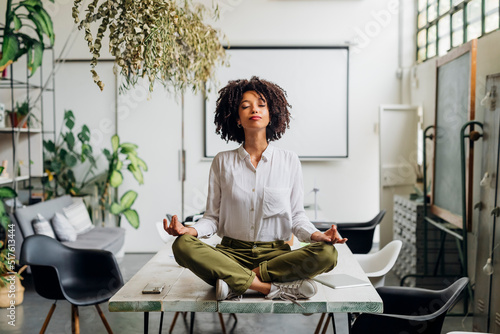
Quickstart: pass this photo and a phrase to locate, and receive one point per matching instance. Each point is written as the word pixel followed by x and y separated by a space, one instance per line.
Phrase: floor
pixel 31 315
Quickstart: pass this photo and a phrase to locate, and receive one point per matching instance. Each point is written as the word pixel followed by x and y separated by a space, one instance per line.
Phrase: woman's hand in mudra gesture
pixel 175 228
pixel 330 236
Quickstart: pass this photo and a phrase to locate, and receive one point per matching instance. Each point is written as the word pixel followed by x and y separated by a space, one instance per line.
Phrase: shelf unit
pixel 409 228
pixel 22 130
pixel 22 148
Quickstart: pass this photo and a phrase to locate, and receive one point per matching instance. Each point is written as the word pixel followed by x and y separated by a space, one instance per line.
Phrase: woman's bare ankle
pixel 257 272
pixel 262 287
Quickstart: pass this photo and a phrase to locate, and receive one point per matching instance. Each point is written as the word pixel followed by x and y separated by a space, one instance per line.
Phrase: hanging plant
pixel 161 40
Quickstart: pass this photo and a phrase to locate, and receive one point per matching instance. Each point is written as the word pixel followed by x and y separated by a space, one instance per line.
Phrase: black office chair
pixel 360 235
pixel 410 310
pixel 81 276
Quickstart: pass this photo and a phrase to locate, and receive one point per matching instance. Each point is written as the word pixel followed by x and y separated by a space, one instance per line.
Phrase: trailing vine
pixel 160 40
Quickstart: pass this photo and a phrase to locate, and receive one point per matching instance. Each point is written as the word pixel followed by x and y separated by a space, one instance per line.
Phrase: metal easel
pixel 446 228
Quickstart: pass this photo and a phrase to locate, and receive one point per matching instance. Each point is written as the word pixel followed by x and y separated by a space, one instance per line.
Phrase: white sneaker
pixel 292 291
pixel 224 292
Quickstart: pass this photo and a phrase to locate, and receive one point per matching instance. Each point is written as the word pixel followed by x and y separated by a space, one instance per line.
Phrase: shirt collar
pixel 266 155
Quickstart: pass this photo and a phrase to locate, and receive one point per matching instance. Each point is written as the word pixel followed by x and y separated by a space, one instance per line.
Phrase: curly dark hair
pixel 226 111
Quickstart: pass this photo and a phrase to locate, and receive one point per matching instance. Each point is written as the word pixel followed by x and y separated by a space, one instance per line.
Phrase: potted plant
pixel 20 18
pixel 5 192
pixel 64 155
pixel 9 278
pixel 123 157
pixel 161 40
pixel 21 116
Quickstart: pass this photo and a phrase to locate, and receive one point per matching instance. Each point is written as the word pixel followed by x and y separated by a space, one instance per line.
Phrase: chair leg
pixel 161 322
pixel 333 323
pixel 222 325
pixel 75 320
pixel 103 318
pixel 320 322
pixel 47 319
pixel 191 327
pixel 173 322
pixel 327 322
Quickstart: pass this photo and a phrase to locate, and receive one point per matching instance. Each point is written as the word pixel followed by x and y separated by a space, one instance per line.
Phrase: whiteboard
pixel 316 82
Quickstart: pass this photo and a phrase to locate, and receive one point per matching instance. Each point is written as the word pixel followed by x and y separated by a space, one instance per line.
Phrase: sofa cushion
pixel 107 238
pixel 24 216
pixel 78 216
pixel 64 230
pixel 41 226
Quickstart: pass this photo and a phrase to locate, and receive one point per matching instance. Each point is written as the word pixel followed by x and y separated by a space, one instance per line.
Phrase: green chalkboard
pixel 454 107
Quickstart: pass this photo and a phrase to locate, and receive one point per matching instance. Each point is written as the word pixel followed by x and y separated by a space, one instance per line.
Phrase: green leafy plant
pixel 7 259
pixel 22 109
pixel 123 157
pixel 62 157
pixel 162 40
pixel 8 265
pixel 5 192
pixel 21 19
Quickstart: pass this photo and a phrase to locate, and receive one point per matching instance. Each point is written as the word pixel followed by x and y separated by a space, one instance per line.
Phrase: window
pixel 457 28
pixel 491 18
pixel 445 24
pixel 444 40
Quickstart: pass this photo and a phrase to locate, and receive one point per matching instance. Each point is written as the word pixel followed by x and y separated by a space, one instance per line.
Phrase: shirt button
pixel 253 190
pixel 254 246
pixel 251 209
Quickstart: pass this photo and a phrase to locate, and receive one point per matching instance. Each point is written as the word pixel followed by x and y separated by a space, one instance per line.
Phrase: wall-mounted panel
pixel 316 82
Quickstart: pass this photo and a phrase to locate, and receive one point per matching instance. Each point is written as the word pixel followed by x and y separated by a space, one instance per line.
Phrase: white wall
pixel 349 188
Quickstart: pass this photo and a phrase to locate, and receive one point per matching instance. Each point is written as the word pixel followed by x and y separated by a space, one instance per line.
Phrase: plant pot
pixel 5 299
pixel 16 121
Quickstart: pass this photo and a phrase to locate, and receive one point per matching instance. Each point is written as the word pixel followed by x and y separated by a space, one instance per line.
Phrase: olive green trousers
pixel 233 260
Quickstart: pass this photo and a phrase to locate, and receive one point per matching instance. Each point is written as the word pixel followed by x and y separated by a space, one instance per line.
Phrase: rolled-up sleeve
pixel 301 225
pixel 208 224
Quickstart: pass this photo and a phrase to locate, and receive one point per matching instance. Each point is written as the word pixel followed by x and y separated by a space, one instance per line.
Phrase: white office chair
pixel 165 237
pixel 377 265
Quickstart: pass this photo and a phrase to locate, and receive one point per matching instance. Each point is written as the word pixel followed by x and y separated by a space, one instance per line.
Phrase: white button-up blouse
pixel 256 204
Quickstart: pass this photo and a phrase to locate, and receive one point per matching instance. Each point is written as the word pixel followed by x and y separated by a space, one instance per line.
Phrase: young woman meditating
pixel 255 203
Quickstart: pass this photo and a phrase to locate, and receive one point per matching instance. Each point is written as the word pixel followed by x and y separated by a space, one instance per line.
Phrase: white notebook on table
pixel 339 281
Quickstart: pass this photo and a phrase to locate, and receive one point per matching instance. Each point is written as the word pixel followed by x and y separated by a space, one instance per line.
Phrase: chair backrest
pixel 430 303
pixel 360 235
pixel 411 310
pixel 451 294
pixel 59 271
pixel 44 254
pixel 377 265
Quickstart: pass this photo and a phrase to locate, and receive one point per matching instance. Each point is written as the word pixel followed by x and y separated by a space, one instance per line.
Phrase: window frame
pixel 452 10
